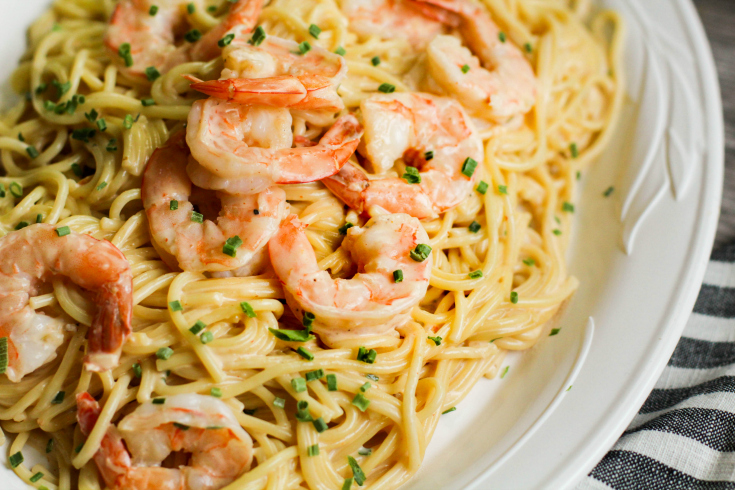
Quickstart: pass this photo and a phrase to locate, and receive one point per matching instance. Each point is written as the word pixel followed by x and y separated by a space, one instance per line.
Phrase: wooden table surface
pixel 718 17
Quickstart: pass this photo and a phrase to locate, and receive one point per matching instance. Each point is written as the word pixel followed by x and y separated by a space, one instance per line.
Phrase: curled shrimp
pixel 246 152
pixel 151 28
pixel 29 259
pixel 391 19
pixel 204 426
pixel 198 244
pixel 274 73
pixel 378 298
pixel 497 82
pixel 433 135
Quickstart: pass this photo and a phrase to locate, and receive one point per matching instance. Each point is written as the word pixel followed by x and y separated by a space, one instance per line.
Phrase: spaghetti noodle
pixel 77 145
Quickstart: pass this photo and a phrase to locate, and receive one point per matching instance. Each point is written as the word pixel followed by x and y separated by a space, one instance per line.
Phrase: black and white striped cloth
pixel 684 434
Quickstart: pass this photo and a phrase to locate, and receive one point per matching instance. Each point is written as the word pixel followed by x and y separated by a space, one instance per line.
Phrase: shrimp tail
pixel 88 411
pixel 110 327
pixel 283 91
pixel 349 184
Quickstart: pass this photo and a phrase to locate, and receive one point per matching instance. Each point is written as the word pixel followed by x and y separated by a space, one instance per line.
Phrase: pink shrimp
pixel 393 262
pixel 149 30
pixel 185 238
pixel 130 455
pixel 30 258
pixel 436 140
pixel 227 140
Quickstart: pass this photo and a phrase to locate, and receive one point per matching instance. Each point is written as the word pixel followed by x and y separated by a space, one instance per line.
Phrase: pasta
pixel 75 148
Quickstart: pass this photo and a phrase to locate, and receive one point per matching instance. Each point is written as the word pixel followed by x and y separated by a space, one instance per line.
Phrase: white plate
pixel 640 256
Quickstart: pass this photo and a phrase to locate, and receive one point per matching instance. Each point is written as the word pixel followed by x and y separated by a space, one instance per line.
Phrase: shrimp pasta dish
pixel 255 244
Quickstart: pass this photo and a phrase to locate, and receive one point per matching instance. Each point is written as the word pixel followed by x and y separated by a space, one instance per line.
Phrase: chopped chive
pixel 78 449
pixel 367 356
pixel 258 36
pixel 247 309
pixel 314 30
pixel 173 205
pixel 164 353
pixel 181 426
pixel 412 175
pixel 292 335
pixel 332 382
pixel 61 88
pixel 21 138
pixel 514 297
pixel 22 225
pixel 366 386
pixel 147 102
pixel 558 221
pixel 313 450
pixel 206 337
pixel 124 53
pixel 153 10
pixel 357 472
pixel 308 319
pixel 152 73
pixel 320 425
pixel 59 398
pixel 556 232
pixel 421 252
pixel 482 187
pixel 574 150
pixel 305 353
pixel 77 169
pixel 2 190
pixel 197 217
pixel 361 402
pixel 49 446
pixel 429 155
pixel 343 229
pixel 449 410
pixel 32 152
pixel 198 327
pixel 475 227
pixel 304 47
pixel 212 9
pixel 502 37
pixel 347 485
pixel 83 134
pixel 231 246
pixel 340 51
pixel 16 189
pixel 554 331
pixel 398 275
pixel 503 189
pixel 302 410
pixel 128 121
pixel 570 387
pixel 3 354
pixel 91 115
pixel 365 451
pixel 41 88
pixel 279 402
pixel 372 377
pixel 48 105
pixel 193 35
pixel 101 186
pixel 465 68
pixel 16 459
pixel 529 262
pixel 39 218
pixel 387 88
pixel 137 370
pixel 437 340
pixel 608 191
pixel 469 166
pixel 505 371
pixel 314 375
pixel 36 477
pixel 215 392
pixel 528 47
pixel 158 401
pixel 63 231
pixel 226 41
pixel 298 384
pixel 475 274
pixel 568 207
pixel 190 8
pixel 375 60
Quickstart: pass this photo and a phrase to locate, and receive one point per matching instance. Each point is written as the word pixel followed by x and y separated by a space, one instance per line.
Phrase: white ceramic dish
pixel 640 256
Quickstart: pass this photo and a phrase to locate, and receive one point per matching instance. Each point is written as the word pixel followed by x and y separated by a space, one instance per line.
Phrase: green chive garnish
pixel 514 297
pixel 305 353
pixel 398 275
pixel 247 309
pixel 164 353
pixel 387 88
pixel 361 402
pixel 421 252
pixel 469 166
pixel 314 30
pixel 63 230
pixel 475 274
pixel 375 60
pixel 215 392
pixel 298 385
pixel 332 382
pixel 465 68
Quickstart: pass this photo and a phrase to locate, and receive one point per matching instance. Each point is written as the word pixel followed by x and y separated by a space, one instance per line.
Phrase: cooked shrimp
pixel 498 86
pixel 192 242
pixel 236 143
pixel 374 301
pixel 275 73
pixel 151 34
pixel 433 135
pixel 204 426
pixel 29 259
pixel 391 19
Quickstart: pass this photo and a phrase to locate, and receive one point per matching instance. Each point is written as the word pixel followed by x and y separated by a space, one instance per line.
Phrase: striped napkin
pixel 683 437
